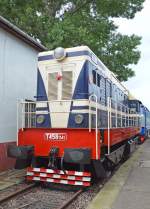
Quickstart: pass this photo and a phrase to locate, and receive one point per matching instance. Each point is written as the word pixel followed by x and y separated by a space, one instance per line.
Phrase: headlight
pixel 40 119
pixel 79 118
pixel 59 53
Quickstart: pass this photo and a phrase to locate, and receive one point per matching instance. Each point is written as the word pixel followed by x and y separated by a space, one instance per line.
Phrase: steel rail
pixel 71 199
pixel 17 192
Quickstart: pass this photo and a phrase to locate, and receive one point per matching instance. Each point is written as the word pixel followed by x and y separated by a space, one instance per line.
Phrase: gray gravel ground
pixel 49 198
pixel 38 198
pixel 84 199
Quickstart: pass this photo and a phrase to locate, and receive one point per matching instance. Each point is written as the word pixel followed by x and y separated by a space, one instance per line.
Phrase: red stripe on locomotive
pixel 76 138
pixel 118 135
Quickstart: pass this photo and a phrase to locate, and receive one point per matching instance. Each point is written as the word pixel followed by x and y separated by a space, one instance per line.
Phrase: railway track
pixel 32 196
pixel 36 197
pixel 15 193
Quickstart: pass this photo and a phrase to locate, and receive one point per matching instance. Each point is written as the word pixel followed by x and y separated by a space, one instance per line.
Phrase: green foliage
pixel 75 22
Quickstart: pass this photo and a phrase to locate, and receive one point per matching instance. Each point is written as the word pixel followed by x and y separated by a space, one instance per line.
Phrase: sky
pixel 139 85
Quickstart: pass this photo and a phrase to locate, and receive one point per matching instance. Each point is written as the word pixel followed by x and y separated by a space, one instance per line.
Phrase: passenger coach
pixel 145 123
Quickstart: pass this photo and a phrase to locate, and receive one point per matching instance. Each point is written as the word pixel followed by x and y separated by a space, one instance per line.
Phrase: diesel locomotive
pixel 82 123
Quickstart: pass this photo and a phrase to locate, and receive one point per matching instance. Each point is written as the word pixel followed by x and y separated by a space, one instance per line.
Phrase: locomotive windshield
pixel 60 83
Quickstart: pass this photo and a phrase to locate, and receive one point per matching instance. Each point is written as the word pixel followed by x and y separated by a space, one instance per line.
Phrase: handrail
pixel 27 111
pixel 17 121
pixel 90 118
pixel 109 124
pixel 121 114
pixel 96 128
pixel 22 124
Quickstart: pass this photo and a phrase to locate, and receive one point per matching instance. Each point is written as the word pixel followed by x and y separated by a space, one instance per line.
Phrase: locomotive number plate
pixel 55 136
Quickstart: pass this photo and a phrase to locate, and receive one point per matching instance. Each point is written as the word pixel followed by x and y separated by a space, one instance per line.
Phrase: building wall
pixel 18 63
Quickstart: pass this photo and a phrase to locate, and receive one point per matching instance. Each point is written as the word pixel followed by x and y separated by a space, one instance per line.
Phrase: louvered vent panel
pixel 67 85
pixel 52 86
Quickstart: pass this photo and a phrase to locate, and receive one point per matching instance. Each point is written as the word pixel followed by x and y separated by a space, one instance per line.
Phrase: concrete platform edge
pixel 106 197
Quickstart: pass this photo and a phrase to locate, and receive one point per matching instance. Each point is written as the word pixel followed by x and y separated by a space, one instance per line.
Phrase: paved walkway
pixel 136 192
pixel 129 188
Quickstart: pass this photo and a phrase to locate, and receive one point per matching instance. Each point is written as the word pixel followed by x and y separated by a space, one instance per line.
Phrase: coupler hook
pixel 52 157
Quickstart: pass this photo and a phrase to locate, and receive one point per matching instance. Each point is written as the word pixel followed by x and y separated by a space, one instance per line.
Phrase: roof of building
pixel 9 27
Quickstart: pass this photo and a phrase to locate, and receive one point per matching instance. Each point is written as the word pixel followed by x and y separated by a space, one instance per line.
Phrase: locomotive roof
pixel 85 51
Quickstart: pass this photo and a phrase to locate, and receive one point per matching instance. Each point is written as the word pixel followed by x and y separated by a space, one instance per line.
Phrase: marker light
pixel 40 119
pixel 79 119
pixel 59 53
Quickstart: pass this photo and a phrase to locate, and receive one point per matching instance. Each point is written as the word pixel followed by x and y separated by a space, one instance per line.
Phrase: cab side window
pixel 98 80
pixel 94 76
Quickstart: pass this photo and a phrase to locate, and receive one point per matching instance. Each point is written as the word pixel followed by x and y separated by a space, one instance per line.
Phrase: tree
pixel 88 22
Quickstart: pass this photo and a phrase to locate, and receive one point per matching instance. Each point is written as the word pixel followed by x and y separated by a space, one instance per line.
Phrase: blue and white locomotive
pixel 81 124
